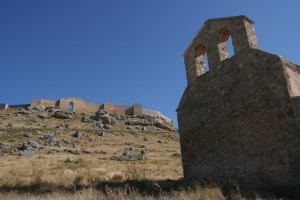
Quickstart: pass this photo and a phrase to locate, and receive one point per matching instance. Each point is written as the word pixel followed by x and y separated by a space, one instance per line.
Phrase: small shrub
pixel 176 155
pixel 68 160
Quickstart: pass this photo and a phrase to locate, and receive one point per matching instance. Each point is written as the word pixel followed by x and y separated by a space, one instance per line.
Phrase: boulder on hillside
pixel 37 108
pixel 87 118
pixel 134 121
pixel 164 126
pixel 100 113
pixel 29 145
pixel 108 127
pixel 77 134
pixel 105 119
pixel 43 115
pixel 51 140
pixel 27 134
pixel 103 116
pixel 146 121
pixel 27 148
pixel 97 125
pixel 64 114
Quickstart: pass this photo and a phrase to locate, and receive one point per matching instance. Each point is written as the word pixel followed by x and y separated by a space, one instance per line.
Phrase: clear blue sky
pixel 121 51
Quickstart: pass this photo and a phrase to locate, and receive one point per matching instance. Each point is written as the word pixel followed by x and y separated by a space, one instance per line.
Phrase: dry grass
pixel 53 173
pixel 56 166
pixel 53 170
pixel 132 184
pixel 119 194
pixel 71 182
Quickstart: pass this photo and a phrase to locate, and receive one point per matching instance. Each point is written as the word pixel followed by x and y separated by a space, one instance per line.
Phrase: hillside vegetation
pixel 51 153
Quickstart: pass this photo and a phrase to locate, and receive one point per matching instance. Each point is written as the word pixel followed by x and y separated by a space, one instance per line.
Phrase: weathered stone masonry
pixel 79 105
pixel 240 120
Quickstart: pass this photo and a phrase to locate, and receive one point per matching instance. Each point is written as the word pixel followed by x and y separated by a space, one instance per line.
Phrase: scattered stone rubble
pixel 104 120
pixel 131 155
pixel 100 120
pixel 27 148
pixel 50 140
pixel 29 141
pixel 4 149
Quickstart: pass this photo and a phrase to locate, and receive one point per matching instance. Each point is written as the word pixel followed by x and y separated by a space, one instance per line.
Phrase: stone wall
pixel 238 122
pixel 295 105
pixel 19 106
pixel 137 109
pixel 78 105
pixel 3 106
pixel 116 109
pixel 44 102
pixel 292 74
pixel 212 40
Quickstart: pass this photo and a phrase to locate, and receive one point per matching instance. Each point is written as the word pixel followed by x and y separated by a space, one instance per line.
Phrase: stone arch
pixel 215 35
pixel 225 44
pixel 201 60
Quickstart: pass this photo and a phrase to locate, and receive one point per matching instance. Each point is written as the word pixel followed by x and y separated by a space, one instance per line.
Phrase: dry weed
pixel 135 173
pixel 125 193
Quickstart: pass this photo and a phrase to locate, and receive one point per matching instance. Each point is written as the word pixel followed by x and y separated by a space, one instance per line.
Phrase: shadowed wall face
pixel 240 120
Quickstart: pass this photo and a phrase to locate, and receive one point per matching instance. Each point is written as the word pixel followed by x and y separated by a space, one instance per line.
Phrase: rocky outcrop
pixel 64 114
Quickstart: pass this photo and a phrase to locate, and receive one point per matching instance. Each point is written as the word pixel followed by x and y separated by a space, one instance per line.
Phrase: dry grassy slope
pixel 90 156
pixel 86 168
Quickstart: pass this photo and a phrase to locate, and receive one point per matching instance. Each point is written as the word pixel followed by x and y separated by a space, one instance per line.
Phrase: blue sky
pixel 121 51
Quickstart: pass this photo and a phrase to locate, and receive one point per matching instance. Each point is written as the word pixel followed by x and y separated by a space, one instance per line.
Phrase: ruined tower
pixel 239 121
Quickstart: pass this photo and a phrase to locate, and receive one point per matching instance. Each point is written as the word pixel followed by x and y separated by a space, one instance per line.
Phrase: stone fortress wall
pixel 239 121
pixel 3 106
pixel 79 105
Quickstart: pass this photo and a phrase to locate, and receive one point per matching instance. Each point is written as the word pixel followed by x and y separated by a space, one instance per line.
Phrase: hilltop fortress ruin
pixel 239 121
pixel 79 105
